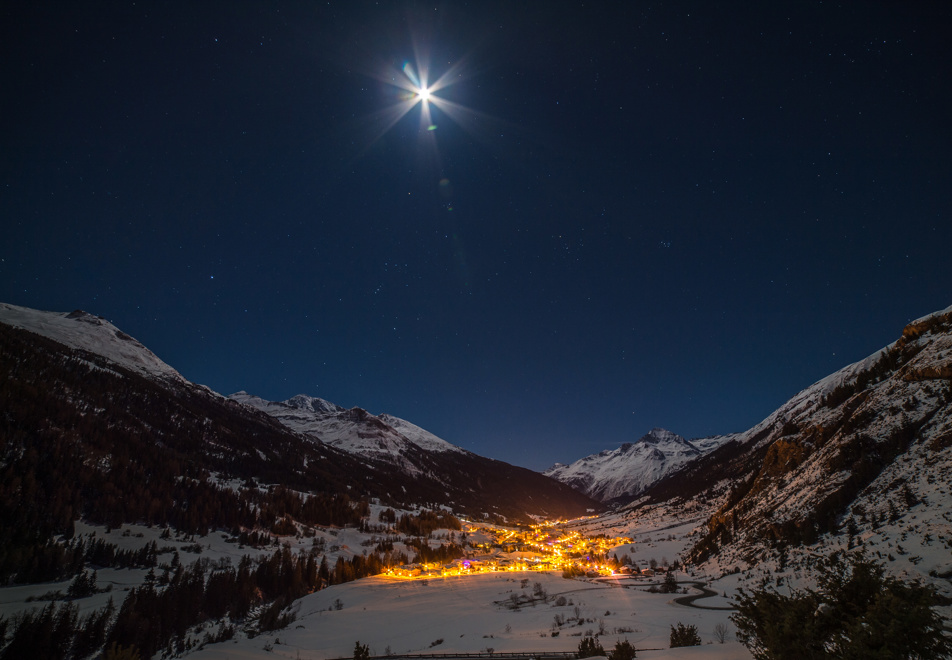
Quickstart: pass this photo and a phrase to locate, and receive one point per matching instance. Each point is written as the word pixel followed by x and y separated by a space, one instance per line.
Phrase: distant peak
pixel 300 401
pixel 312 404
pixel 85 317
pixel 88 332
pixel 658 435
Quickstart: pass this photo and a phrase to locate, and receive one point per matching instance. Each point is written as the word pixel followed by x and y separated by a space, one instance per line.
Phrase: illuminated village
pixel 540 547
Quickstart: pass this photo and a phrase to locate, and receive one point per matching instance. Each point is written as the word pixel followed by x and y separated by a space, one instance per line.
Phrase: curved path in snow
pixel 705 593
pixel 687 601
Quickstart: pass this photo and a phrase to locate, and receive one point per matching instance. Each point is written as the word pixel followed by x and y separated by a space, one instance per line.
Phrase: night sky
pixel 616 215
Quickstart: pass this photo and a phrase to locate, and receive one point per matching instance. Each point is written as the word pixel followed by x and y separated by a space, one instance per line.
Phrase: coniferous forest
pixel 157 615
pixel 129 452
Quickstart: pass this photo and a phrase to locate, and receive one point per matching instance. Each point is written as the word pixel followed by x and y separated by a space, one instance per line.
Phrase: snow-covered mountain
pixel 81 330
pixel 627 471
pixel 438 471
pixel 418 436
pixel 94 376
pixel 354 430
pixel 863 458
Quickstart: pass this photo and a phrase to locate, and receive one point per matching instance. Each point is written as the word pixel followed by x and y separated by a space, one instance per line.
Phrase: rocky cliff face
pixel 860 458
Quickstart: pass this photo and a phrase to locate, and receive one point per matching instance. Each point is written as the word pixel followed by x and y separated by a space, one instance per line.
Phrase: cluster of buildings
pixel 538 548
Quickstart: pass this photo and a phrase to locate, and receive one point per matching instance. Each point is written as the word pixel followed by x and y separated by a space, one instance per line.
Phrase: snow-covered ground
pixel 469 614
pixel 119 582
pixel 472 614
pixel 915 546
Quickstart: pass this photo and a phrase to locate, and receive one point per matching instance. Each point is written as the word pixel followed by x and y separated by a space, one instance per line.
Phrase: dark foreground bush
pixel 856 612
pixel 589 648
pixel 683 635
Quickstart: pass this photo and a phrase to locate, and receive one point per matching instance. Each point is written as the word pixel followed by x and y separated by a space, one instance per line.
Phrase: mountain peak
pixel 659 435
pixel 85 331
pixel 81 315
pixel 312 404
pixel 632 468
pixel 353 430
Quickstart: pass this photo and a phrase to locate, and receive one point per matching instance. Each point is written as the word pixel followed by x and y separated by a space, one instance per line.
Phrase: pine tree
pixel 684 636
pixel 589 647
pixel 623 651
pixel 670 584
pixel 857 612
pixel 361 651
pixel 83 585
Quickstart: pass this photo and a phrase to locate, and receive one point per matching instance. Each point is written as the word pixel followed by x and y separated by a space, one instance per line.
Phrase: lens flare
pixel 411 87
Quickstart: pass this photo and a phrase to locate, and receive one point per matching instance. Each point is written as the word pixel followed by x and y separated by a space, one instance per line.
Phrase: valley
pixel 143 512
pixel 513 600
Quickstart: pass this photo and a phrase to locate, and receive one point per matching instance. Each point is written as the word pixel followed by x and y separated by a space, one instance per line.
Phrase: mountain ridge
pixel 861 458
pixel 82 330
pixel 382 437
pixel 859 461
pixel 225 436
pixel 615 475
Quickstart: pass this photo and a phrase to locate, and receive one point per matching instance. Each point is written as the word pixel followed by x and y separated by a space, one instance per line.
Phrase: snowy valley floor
pixel 472 614
pixel 469 614
pixel 464 614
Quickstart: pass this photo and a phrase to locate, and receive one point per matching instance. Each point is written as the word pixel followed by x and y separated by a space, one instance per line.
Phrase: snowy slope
pixel 861 459
pixel 630 469
pixel 352 430
pixel 873 439
pixel 431 468
pixel 418 436
pixel 85 331
pixel 808 401
pixel 470 615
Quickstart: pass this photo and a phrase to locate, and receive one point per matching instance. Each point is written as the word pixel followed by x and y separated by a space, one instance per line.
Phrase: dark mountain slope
pixel 440 473
pixel 82 436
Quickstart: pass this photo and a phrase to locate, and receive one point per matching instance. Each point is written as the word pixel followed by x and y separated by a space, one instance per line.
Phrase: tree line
pixel 80 440
pixel 157 616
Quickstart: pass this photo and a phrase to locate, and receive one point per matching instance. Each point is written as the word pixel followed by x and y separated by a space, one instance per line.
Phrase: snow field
pixel 472 614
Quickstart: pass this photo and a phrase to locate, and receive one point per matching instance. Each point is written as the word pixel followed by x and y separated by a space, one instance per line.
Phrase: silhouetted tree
pixel 683 635
pixel 361 651
pixel 856 612
pixel 669 585
pixel 623 651
pixel 589 647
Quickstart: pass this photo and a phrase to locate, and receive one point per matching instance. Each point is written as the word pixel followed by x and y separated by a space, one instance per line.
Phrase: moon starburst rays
pixel 412 86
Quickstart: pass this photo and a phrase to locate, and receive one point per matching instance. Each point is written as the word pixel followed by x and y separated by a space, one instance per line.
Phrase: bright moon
pixel 417 90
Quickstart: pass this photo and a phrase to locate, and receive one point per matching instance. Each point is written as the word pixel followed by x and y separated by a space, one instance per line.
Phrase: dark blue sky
pixel 648 214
